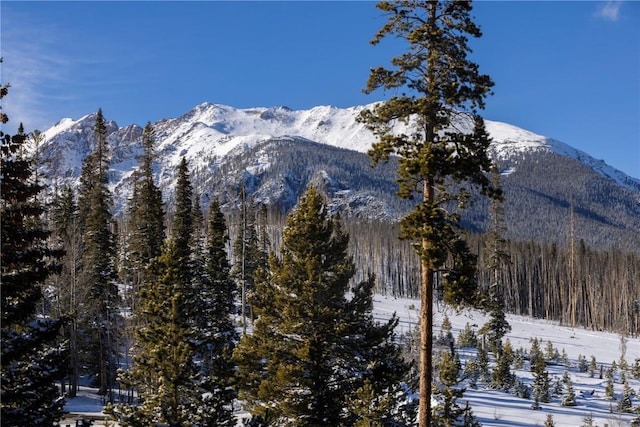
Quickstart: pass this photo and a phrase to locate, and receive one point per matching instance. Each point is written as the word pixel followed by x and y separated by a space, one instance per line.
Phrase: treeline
pixel 574 284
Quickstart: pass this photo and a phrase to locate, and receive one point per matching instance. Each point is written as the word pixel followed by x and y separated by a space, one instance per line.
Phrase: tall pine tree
pixel 163 372
pixel 437 84
pixel 312 350
pixel 66 233
pixel 30 358
pixel 497 326
pixel 248 255
pixel 214 329
pixel 100 307
pixel 146 215
pixel 183 222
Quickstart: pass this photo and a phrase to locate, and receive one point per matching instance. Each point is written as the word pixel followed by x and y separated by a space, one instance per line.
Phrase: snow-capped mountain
pixel 226 145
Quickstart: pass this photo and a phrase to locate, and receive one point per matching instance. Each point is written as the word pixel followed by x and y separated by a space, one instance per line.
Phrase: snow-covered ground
pixel 495 408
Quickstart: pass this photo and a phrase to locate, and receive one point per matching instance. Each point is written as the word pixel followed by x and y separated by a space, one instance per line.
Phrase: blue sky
pixel 568 70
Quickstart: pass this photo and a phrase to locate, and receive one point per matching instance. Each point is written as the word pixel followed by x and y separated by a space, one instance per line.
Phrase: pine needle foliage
pixel 312 350
pixel 183 222
pixel 162 371
pixel 98 273
pixel 146 224
pixel 31 359
pixel 214 329
pixel 436 89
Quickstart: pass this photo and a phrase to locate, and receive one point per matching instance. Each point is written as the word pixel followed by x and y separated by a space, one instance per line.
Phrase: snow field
pixel 493 407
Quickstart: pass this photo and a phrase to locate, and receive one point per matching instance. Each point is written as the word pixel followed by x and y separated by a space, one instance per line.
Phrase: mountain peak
pixel 210 131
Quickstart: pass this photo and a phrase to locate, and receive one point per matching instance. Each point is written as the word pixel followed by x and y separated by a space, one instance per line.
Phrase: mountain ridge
pixel 333 126
pixel 270 148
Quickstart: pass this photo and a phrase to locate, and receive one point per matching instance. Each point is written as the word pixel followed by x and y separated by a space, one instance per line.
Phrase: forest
pixel 167 301
pixel 176 314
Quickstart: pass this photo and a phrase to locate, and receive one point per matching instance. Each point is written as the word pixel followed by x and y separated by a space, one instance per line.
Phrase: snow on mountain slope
pixel 209 132
pixel 509 139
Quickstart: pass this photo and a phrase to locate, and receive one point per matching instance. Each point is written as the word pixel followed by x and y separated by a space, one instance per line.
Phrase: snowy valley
pixel 496 408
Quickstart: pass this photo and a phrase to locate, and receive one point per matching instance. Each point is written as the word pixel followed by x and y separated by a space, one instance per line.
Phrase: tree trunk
pixel 426 326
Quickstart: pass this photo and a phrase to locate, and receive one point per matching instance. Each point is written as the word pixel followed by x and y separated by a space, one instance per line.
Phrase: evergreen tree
pixel 370 352
pixel 146 215
pixel 249 257
pixel 541 384
pixel 548 422
pixel 536 359
pixel 502 378
pixel 497 326
pixel 467 337
pixel 588 421
pixel 30 359
pixel 264 243
pixel 541 381
pixel 183 223
pixel 99 312
pixel 609 389
pixel 570 397
pixel 312 350
pixel 625 403
pixel 442 84
pixel 215 332
pixel 446 336
pixel 163 370
pixel 67 234
pixel 370 408
pixel 185 233
pixel 448 412
pixel 592 367
pixel 483 363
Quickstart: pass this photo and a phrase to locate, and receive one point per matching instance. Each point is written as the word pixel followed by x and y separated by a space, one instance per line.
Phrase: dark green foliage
pixel 66 233
pixel 483 364
pixel 31 360
pixel 445 338
pixel 182 367
pixel 497 326
pixel 312 351
pixel 98 315
pixel 502 378
pixel 570 397
pixel 467 337
pixel 162 372
pixel 625 403
pixel 432 151
pixel 448 412
pixel 183 222
pixel 541 381
pixel 146 216
pixel 437 85
pixel 541 387
pixel 536 358
pixel 214 330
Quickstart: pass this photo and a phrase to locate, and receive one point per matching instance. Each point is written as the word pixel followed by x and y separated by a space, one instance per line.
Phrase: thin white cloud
pixel 609 10
pixel 35 70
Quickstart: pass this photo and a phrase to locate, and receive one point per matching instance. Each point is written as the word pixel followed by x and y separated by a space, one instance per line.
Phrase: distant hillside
pixel 276 152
